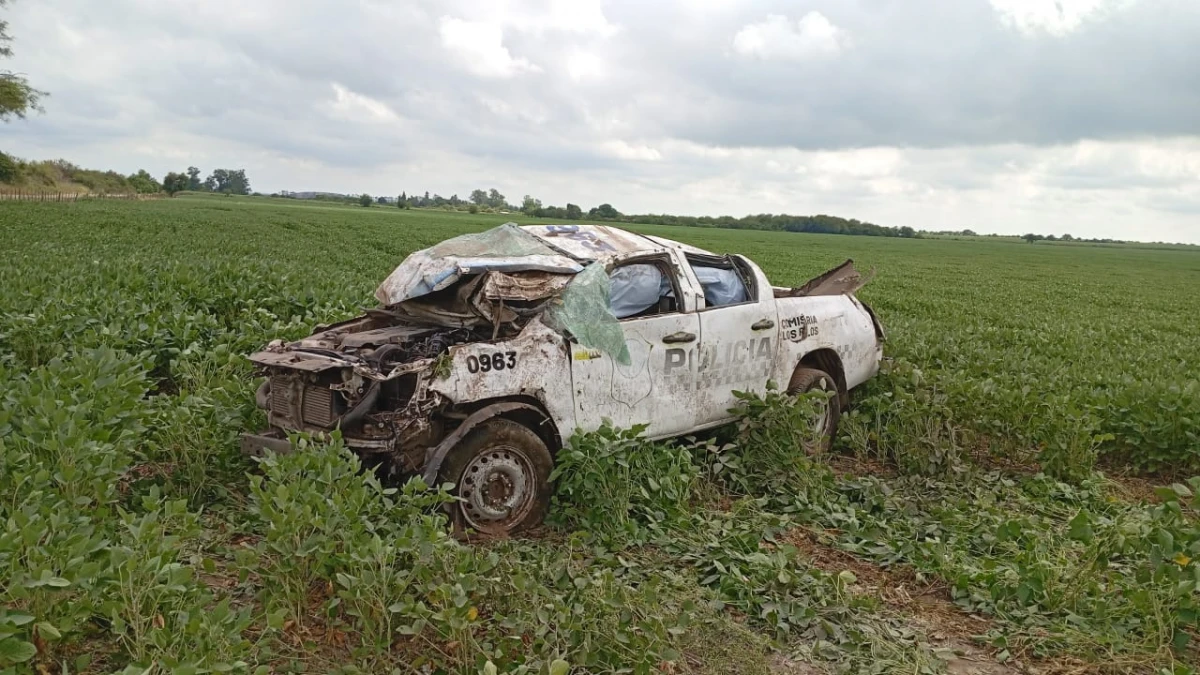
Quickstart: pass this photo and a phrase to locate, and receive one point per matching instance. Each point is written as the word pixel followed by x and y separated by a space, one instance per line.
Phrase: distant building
pixel 315 195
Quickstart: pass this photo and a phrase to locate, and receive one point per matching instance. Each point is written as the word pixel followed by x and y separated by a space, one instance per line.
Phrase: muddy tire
pixel 501 472
pixel 805 380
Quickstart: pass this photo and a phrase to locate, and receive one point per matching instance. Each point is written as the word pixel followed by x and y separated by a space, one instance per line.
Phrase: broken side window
pixel 640 289
pixel 722 285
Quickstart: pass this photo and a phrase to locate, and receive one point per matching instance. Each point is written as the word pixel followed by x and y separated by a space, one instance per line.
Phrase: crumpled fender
pixel 433 463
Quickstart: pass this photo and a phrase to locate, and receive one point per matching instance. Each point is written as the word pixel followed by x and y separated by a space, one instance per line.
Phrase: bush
pixel 10 171
pixel 620 487
pixel 75 546
pixel 902 419
pixel 385 556
pixel 770 456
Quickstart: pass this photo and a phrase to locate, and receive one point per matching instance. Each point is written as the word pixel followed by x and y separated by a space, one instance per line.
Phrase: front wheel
pixel 501 472
pixel 828 413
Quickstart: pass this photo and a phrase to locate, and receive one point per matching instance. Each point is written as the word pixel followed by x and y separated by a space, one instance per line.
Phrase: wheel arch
pixel 827 360
pixel 524 410
pixel 532 413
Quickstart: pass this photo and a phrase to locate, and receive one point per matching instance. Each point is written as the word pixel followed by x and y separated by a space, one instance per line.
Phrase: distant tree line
pixel 532 206
pixel 1031 238
pixel 226 181
pixel 493 201
pixel 783 222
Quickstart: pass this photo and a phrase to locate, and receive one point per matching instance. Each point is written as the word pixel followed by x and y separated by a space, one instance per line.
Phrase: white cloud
pixel 525 112
pixel 1056 17
pixel 480 47
pixel 623 150
pixel 583 65
pixel 572 16
pixel 859 163
pixel 778 37
pixel 355 107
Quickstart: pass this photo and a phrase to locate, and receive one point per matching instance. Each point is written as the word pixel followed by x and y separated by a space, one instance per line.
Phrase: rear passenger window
pixel 723 282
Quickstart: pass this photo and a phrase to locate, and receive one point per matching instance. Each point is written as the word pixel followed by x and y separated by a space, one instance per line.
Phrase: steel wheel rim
pixel 821 417
pixel 497 488
pixel 824 410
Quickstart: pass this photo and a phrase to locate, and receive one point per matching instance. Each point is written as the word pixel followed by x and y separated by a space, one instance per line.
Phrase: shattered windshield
pixel 584 311
pixel 503 276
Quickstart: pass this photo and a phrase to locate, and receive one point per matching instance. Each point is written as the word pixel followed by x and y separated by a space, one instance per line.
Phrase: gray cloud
pixel 654 106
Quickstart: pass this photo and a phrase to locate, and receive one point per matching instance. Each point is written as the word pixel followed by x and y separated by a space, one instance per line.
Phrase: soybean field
pixel 1013 493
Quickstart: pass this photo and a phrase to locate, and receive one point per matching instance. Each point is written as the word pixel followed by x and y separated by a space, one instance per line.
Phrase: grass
pixel 135 535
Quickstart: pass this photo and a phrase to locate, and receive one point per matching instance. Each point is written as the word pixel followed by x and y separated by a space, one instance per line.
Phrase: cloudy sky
pixel 1008 116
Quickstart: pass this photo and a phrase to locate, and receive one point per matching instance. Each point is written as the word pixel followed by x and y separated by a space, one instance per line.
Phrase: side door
pixel 738 333
pixel 656 309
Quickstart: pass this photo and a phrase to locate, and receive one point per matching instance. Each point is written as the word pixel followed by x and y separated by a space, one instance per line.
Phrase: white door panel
pixel 737 352
pixel 655 388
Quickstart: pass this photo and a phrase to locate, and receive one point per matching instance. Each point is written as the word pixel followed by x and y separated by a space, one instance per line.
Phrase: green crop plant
pixel 1021 382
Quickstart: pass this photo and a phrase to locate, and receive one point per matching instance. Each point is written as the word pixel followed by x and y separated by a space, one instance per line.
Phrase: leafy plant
pixel 1014 376
pixel 616 485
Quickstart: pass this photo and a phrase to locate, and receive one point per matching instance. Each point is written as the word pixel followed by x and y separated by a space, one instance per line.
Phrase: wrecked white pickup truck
pixel 489 350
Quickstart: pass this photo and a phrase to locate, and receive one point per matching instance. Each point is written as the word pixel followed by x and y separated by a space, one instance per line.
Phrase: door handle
pixel 681 336
pixel 762 325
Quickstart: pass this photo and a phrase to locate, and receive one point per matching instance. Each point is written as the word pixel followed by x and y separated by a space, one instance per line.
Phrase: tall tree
pixel 574 212
pixel 194 183
pixel 175 182
pixel 530 206
pixel 495 199
pixel 17 96
pixel 239 184
pixel 604 211
pixel 230 181
pixel 479 197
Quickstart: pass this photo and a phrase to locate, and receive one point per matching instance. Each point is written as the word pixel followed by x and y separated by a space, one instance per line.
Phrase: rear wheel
pixel 501 472
pixel 825 420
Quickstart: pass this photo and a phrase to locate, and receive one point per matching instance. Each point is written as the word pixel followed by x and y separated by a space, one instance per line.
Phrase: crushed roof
pixel 601 242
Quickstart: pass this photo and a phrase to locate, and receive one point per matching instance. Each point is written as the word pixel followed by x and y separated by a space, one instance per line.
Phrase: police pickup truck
pixel 488 351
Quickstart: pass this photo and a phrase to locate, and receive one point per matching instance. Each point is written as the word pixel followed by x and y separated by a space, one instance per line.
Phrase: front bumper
pixel 276 441
pixel 254 445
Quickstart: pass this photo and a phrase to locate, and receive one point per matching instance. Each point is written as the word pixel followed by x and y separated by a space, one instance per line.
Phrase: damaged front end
pixel 368 377
pixel 373 377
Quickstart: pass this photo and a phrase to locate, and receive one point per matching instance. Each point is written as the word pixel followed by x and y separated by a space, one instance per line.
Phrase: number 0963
pixel 487 363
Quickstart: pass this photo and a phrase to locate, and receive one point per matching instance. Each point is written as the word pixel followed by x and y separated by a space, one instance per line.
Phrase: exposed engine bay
pixel 369 376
